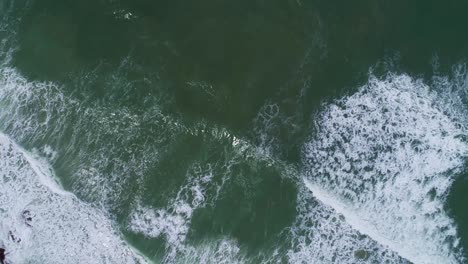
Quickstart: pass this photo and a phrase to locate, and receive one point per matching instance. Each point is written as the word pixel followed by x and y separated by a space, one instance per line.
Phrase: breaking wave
pixel 43 223
pixel 385 157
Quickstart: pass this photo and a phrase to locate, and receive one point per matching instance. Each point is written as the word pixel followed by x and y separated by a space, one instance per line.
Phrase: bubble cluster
pixel 43 223
pixel 389 154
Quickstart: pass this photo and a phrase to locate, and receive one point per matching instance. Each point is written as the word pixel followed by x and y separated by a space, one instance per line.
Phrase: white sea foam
pixel 41 223
pixel 222 251
pixel 321 234
pixel 173 222
pixel 385 158
pixel 33 110
pixel 111 153
pixel 29 108
pixel 266 128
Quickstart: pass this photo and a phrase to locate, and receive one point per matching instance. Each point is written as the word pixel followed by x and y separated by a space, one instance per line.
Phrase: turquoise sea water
pixel 281 131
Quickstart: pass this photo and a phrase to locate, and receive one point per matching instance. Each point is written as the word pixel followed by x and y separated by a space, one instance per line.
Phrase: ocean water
pixel 154 131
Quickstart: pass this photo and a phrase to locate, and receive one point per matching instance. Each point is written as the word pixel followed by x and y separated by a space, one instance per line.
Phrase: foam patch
pixel 386 156
pixel 173 222
pixel 222 251
pixel 41 223
pixel 321 234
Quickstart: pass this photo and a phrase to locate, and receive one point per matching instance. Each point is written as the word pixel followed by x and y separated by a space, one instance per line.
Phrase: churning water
pixel 232 132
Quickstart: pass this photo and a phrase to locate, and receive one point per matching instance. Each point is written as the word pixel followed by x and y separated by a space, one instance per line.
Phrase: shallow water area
pixel 39 217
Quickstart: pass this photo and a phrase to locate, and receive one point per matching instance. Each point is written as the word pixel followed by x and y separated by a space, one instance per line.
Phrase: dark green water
pixel 193 124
